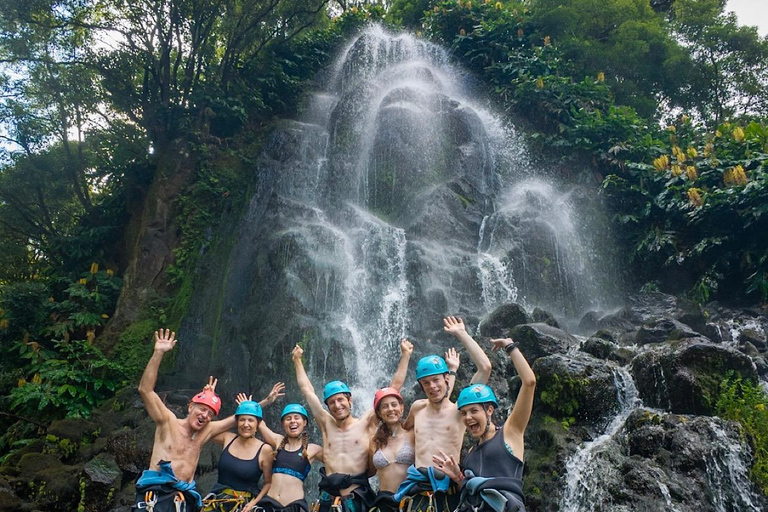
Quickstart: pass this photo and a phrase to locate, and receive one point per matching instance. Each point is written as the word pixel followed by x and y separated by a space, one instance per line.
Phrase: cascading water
pixel 591 464
pixel 394 201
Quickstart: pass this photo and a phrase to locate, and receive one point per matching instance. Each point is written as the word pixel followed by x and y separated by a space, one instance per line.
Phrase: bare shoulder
pixel 418 405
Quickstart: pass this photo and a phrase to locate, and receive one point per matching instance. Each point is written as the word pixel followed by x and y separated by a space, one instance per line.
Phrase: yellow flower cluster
pixel 691 152
pixel 676 170
pixel 547 40
pixel 498 6
pixel 94 268
pixel 601 77
pixel 738 134
pixel 679 154
pixel 83 281
pixel 709 149
pixel 661 163
pixel 735 176
pixel 694 196
pixel 539 83
pixel 36 379
pixel 691 172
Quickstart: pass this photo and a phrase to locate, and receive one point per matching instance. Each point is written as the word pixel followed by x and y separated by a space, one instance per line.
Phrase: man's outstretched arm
pixel 456 327
pixel 164 342
pixel 306 388
pixel 398 379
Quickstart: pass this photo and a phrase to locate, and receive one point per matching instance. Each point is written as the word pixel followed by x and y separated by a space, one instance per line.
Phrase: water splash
pixel 728 474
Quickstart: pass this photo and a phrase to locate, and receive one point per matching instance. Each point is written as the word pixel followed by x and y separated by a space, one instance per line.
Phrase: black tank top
pixel 239 474
pixel 291 463
pixel 493 459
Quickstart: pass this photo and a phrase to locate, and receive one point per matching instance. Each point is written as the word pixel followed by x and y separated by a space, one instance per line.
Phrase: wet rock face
pixel 575 385
pixel 541 340
pixel 693 457
pixel 502 319
pixel 685 377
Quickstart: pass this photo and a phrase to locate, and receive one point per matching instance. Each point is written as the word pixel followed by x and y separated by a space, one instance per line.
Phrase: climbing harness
pixel 409 501
pixel 232 501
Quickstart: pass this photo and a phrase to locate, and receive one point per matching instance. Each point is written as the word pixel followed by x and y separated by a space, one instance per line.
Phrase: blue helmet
pixel 430 365
pixel 294 408
pixel 334 388
pixel 476 394
pixel 250 408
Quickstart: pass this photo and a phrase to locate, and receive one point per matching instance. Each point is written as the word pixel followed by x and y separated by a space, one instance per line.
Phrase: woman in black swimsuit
pixel 242 463
pixel 498 456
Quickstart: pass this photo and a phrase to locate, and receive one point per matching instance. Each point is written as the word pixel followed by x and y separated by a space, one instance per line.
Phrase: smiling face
pixel 294 424
pixel 390 410
pixel 247 425
pixel 199 415
pixel 435 387
pixel 340 406
pixel 476 418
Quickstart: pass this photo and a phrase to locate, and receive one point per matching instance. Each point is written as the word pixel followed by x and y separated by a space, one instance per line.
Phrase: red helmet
pixel 385 392
pixel 208 398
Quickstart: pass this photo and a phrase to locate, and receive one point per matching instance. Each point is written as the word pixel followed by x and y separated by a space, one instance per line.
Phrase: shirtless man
pixel 178 442
pixel 438 426
pixel 344 481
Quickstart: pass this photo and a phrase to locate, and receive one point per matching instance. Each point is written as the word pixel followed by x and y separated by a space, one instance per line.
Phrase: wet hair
pixel 304 444
pixel 381 437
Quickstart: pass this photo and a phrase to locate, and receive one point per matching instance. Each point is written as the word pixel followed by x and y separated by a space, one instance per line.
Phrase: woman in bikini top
pixel 293 457
pixel 391 448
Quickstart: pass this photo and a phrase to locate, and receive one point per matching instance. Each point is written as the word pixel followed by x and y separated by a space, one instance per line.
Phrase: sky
pixel 751 12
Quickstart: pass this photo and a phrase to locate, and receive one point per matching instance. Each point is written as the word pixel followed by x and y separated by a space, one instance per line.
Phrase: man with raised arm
pixel 168 484
pixel 344 484
pixel 438 426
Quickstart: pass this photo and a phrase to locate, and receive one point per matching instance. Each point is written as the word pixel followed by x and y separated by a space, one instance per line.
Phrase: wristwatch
pixel 509 348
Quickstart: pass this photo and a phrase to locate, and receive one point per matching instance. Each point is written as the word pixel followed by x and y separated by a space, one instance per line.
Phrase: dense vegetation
pixel 665 102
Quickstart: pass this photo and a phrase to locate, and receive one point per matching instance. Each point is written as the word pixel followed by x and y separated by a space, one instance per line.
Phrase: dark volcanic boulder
pixel 541 316
pixel 604 349
pixel 684 377
pixel 503 319
pixel 541 340
pixel 575 385
pixel 663 329
pixel 102 477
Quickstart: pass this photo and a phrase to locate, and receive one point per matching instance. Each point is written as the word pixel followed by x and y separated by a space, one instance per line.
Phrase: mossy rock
pixel 31 464
pixel 577 386
pixel 73 429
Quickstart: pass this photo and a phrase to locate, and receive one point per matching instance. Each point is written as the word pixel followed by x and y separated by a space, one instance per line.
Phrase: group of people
pixel 416 457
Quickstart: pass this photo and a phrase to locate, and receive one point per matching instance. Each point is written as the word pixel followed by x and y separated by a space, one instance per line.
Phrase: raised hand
pixel 297 352
pixel 277 391
pixel 211 386
pixel 242 397
pixel 454 325
pixel 165 340
pixel 500 343
pixel 448 465
pixel 406 347
pixel 452 359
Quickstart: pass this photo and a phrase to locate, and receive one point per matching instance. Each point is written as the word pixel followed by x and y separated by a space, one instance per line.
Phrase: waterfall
pixel 396 199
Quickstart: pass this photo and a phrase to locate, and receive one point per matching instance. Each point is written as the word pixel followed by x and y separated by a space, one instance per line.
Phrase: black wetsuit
pixel 331 486
pixel 494 460
pixel 295 465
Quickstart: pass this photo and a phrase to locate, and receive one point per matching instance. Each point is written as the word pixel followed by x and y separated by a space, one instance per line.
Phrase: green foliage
pixel 562 396
pixel 49 327
pixel 747 403
pixel 71 383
